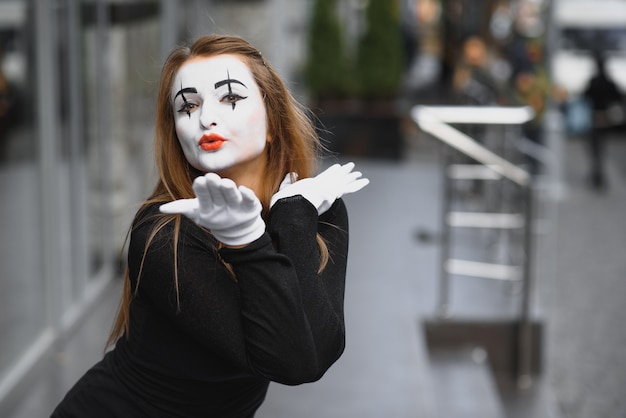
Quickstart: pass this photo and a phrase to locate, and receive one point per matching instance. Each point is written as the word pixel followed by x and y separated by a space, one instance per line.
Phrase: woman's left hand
pixel 323 189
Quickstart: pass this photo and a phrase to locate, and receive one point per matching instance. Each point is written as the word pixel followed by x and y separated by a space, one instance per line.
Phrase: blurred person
pixel 531 89
pixel 408 30
pixel 529 82
pixel 247 285
pixel 472 80
pixel 602 93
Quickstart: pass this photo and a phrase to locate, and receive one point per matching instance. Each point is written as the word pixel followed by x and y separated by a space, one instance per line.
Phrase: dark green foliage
pixel 327 67
pixel 377 68
pixel 380 59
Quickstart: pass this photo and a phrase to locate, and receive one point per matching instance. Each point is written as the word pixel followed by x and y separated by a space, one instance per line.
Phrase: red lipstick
pixel 211 141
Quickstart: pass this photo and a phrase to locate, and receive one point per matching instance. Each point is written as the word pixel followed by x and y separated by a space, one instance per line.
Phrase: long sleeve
pixel 277 318
pixel 302 333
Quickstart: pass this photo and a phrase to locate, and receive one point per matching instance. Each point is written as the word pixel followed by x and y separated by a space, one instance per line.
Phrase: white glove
pixel 323 189
pixel 231 213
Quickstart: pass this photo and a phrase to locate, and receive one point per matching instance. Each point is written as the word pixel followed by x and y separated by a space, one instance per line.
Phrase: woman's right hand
pixel 231 213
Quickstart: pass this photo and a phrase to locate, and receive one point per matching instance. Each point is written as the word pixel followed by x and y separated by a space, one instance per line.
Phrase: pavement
pixel 584 301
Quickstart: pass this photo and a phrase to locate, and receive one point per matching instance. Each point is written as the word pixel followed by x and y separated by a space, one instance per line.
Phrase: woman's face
pixel 220 116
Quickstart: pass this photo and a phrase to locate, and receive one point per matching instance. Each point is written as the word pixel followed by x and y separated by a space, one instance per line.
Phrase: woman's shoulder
pixel 147 217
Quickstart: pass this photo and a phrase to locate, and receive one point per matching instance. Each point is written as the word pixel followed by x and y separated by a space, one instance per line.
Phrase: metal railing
pixel 436 120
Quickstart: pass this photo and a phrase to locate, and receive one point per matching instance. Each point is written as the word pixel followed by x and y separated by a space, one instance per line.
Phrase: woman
pixel 247 287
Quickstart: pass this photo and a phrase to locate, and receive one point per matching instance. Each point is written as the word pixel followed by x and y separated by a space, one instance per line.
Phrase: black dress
pixel 212 349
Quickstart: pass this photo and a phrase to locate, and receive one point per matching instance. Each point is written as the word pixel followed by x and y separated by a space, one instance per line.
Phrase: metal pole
pixel 105 141
pixel 169 27
pixel 78 189
pixel 443 308
pixel 46 73
pixel 525 340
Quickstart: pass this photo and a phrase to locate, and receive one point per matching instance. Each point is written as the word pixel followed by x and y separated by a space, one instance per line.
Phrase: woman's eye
pixel 232 98
pixel 187 107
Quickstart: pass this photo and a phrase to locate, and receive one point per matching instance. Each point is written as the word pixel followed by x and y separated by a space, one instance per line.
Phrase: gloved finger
pixel 203 194
pixel 347 167
pixel 350 176
pixel 336 171
pixel 349 183
pixel 353 175
pixel 229 192
pixel 344 169
pixel 344 178
pixel 355 186
pixel 248 199
pixel 187 207
pixel 214 189
pixel 330 172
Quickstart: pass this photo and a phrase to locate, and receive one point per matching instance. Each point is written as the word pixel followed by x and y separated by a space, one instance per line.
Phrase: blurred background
pixel 487 271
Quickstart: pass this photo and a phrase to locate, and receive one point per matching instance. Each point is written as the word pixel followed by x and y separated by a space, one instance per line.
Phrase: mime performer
pixel 237 260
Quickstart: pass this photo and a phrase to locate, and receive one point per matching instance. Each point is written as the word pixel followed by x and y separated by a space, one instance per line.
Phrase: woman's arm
pixel 300 329
pixel 280 320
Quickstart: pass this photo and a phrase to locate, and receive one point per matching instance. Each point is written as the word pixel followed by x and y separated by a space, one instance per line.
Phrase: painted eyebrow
pixel 228 81
pixel 185 90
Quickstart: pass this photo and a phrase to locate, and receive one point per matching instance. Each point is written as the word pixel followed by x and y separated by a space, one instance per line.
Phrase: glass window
pixel 135 70
pixel 120 82
pixel 22 298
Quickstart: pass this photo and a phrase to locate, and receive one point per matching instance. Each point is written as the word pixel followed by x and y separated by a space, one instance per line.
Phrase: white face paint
pixel 220 116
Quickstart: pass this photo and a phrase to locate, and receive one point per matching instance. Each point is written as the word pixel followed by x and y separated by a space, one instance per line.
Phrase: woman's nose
pixel 208 119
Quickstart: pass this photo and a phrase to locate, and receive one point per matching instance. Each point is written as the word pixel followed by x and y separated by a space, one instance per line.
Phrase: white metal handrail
pixel 482 115
pixel 435 120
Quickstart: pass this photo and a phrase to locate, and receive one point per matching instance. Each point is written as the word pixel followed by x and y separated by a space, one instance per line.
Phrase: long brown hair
pixel 294 145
